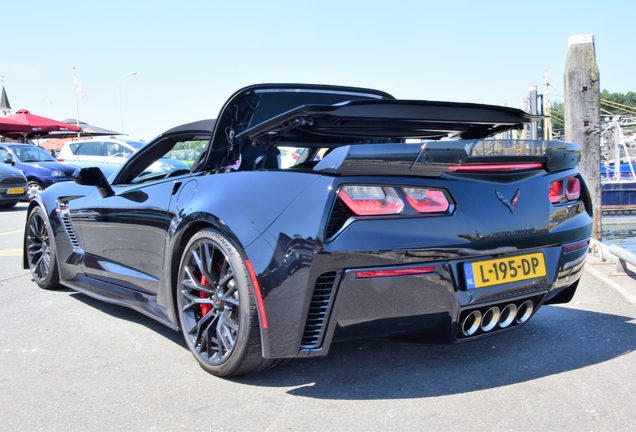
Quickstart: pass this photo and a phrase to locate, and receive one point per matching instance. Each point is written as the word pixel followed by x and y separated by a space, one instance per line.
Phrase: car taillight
pixel 427 200
pixel 60 160
pixel 566 189
pixel 473 167
pixel 371 200
pixel 573 188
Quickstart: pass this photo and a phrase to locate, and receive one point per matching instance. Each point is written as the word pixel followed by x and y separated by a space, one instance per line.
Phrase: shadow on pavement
pixel 556 340
pixel 132 316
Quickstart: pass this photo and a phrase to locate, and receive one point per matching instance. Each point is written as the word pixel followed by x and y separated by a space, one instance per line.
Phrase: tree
pixel 557 113
pixel 612 104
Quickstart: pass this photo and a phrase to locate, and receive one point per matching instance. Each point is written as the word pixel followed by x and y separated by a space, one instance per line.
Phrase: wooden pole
pixel 583 118
pixel 547 128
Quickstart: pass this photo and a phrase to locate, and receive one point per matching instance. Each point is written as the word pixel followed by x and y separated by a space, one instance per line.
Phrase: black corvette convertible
pixel 312 214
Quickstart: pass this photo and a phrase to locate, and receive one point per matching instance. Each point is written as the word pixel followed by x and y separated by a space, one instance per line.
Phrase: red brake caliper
pixel 205 308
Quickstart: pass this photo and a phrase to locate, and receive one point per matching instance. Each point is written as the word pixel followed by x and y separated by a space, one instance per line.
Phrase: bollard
pixel 624 257
pixel 596 247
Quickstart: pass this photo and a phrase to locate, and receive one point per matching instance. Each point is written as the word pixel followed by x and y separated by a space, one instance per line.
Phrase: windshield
pixel 31 153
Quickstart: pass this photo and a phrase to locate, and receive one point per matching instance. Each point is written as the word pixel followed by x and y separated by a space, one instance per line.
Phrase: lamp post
pixel 121 118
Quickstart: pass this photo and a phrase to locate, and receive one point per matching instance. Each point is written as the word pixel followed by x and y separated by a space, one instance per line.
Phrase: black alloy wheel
pixel 217 307
pixel 40 248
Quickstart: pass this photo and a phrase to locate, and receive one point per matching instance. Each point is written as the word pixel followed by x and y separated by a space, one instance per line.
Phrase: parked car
pixel 289 156
pixel 13 186
pixel 105 152
pixel 451 240
pixel 40 168
pixel 98 150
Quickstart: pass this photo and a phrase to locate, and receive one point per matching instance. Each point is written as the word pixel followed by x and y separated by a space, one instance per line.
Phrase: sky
pixel 191 56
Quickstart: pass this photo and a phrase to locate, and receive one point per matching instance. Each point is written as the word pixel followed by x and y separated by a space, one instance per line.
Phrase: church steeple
pixel 5 106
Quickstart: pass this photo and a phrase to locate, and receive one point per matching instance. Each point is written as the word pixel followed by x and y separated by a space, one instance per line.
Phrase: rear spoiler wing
pixel 432 159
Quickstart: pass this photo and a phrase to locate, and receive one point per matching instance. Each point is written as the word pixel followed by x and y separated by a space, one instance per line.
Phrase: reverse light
pixel 576 246
pixel 371 200
pixel 427 200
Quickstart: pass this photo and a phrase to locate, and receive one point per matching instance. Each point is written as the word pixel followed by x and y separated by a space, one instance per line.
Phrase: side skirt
pixel 123 297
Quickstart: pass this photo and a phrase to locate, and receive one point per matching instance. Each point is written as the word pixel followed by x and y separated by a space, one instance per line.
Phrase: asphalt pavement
pixel 68 362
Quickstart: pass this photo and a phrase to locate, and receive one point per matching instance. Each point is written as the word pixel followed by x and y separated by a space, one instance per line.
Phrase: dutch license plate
pixel 15 191
pixel 482 274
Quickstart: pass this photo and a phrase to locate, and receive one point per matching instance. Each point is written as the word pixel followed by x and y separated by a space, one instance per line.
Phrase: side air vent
pixel 68 226
pixel 321 302
pixel 337 218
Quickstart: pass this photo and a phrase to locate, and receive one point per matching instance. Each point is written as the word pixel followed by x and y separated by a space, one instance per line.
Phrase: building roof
pixel 4 101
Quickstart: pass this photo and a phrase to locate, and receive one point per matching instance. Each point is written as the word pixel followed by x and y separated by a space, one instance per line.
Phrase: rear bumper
pixel 436 305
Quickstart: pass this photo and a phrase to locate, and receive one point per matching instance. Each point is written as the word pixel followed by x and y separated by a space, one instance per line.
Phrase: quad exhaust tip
pixel 494 318
pixel 471 323
pixel 491 319
pixel 524 312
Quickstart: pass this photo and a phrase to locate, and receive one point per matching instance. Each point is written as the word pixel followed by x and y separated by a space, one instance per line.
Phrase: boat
pixel 618 185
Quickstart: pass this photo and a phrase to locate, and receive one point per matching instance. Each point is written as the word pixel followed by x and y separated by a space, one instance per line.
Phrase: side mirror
pixel 8 160
pixel 93 176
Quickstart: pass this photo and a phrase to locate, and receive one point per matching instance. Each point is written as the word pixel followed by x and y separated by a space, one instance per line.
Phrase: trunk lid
pixel 432 159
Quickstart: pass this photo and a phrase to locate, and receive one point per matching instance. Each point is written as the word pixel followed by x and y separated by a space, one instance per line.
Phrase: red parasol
pixel 13 126
pixel 39 125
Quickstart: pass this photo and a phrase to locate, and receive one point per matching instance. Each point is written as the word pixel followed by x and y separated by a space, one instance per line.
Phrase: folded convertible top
pixel 360 120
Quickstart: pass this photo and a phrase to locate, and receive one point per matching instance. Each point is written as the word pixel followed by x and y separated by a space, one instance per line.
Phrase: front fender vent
pixel 65 217
pixel 321 302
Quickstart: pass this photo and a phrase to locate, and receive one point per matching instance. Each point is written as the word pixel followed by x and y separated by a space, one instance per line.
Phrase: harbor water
pixel 623 235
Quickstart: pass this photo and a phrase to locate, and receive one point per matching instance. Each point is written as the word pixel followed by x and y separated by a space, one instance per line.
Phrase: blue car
pixel 40 168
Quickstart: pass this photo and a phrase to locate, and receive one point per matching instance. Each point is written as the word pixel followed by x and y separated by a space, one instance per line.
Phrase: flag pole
pixel 76 104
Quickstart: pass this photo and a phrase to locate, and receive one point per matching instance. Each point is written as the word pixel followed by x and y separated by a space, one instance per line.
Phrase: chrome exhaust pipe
pixel 471 323
pixel 490 319
pixel 508 315
pixel 524 311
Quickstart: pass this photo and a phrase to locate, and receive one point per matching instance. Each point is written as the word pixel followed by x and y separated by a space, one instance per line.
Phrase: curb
pixel 598 256
pixel 631 298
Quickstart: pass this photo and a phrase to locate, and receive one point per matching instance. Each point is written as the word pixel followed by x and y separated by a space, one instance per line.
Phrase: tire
pixel 33 188
pixel 217 307
pixel 40 249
